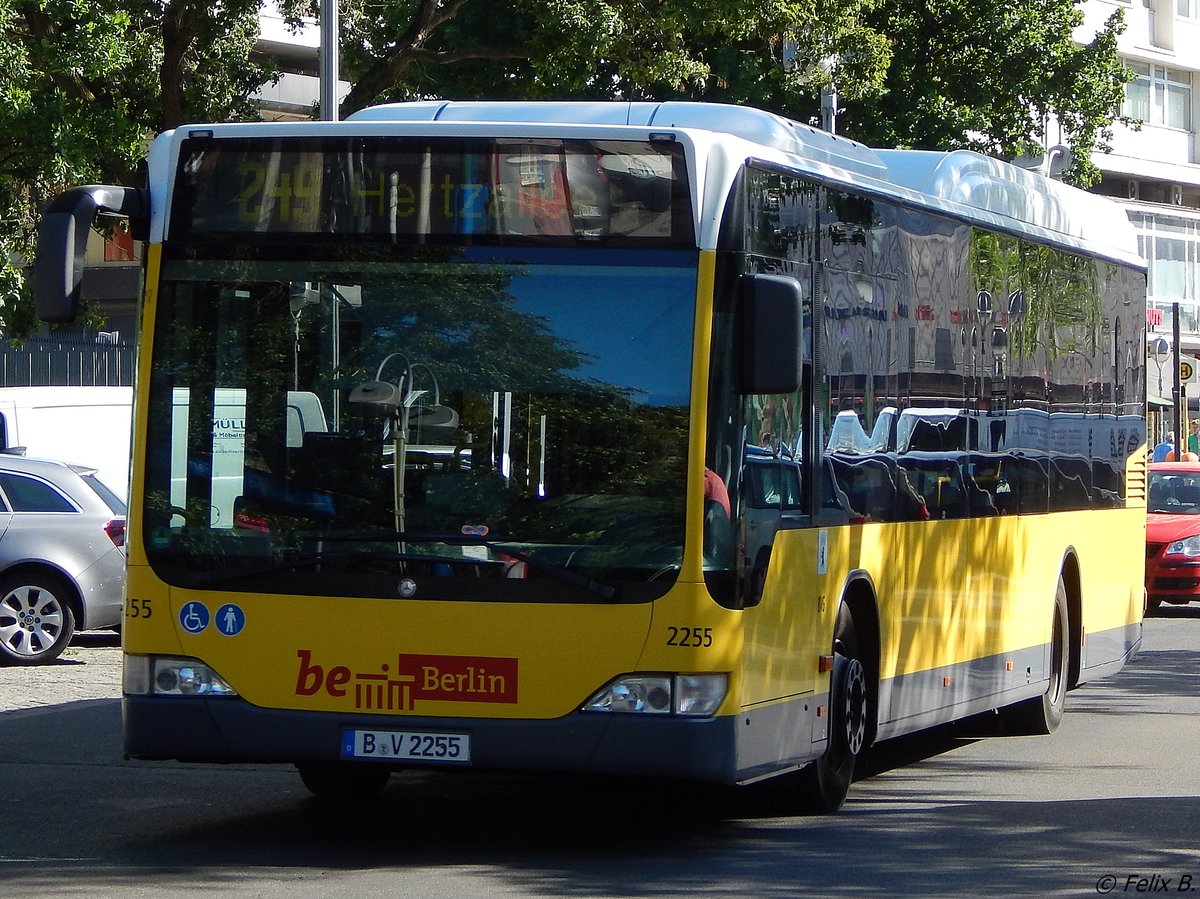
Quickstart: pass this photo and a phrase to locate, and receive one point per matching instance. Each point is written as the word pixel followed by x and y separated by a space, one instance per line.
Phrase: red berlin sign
pixel 397 687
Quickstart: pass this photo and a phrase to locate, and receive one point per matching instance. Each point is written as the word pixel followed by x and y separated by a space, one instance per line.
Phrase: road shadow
pixel 916 823
pixel 97 639
pixel 118 825
pixel 1189 611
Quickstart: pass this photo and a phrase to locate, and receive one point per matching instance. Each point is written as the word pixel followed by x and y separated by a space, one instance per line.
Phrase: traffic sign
pixel 194 617
pixel 1185 371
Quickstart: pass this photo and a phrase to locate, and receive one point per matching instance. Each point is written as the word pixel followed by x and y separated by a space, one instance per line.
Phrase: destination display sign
pixel 398 189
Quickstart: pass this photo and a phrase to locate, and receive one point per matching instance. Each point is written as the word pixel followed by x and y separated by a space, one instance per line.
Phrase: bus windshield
pixel 416 421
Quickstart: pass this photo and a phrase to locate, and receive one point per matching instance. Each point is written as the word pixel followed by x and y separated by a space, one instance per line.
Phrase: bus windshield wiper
pixel 314 557
pixel 600 588
pixel 559 572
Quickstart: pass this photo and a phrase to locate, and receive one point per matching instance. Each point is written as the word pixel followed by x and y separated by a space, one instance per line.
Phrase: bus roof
pixel 981 182
pixel 754 125
pixel 960 182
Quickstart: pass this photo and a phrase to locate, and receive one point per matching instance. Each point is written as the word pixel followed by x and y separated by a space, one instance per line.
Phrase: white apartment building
pixel 294 96
pixel 1154 170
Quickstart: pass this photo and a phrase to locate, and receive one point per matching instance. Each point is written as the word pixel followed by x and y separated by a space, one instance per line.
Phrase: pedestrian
pixel 1161 449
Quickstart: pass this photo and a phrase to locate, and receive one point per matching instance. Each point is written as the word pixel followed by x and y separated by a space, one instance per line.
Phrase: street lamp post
pixel 829 96
pixel 1177 394
pixel 327 62
pixel 1160 350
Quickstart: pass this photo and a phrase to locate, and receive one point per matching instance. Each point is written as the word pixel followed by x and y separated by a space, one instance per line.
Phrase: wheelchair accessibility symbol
pixel 193 617
pixel 230 619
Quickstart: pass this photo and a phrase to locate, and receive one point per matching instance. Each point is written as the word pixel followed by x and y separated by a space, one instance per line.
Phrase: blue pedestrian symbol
pixel 230 619
pixel 194 617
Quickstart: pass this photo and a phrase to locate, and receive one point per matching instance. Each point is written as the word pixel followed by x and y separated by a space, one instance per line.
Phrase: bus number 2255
pixel 689 636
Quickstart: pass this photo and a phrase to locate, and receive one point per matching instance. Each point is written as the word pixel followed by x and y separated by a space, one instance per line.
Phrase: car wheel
pixel 36 621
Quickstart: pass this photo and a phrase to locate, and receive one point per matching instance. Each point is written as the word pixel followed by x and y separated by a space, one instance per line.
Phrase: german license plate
pixel 406 746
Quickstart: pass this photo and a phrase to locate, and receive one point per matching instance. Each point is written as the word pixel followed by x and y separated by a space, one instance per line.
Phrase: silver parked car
pixel 62 557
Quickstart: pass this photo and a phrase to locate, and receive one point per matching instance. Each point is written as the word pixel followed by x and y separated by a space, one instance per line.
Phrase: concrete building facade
pixel 1153 171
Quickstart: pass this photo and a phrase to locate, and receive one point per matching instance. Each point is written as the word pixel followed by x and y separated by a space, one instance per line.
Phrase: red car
pixel 1173 533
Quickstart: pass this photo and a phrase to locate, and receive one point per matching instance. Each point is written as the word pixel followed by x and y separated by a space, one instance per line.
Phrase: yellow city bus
pixel 664 439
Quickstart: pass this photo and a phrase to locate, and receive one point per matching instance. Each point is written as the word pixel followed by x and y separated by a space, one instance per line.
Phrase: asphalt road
pixel 1108 805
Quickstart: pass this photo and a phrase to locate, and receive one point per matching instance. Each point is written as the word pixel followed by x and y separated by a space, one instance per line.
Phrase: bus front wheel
pixel 343 781
pixel 825 783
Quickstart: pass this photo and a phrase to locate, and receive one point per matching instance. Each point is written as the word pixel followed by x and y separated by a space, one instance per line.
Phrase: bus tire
pixel 825 783
pixel 343 781
pixel 1041 715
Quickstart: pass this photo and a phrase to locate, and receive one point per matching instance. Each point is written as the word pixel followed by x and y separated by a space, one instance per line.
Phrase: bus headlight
pixel 699 695
pixel 157 676
pixel 687 695
pixel 1189 546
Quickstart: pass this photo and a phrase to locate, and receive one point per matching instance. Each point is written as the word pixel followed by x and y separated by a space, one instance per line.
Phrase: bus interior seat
pixel 868 487
pixel 718 534
pixel 832 494
pixel 846 487
pixel 910 504
pixel 880 499
pixel 950 497
pixel 939 487
pixel 979 501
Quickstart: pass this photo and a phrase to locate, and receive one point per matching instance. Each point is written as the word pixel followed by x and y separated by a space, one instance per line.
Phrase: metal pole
pixel 327 61
pixel 829 97
pixel 829 100
pixel 1177 392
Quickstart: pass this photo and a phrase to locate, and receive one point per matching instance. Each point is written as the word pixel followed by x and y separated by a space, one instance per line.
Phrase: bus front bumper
pixel 229 729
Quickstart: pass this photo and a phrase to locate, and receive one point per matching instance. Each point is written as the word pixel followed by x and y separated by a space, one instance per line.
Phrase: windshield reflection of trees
pixel 503 435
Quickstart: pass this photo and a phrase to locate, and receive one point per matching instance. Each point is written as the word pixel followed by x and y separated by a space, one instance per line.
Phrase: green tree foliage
pixel 988 74
pixel 83 85
pixel 58 119
pixel 600 49
pixel 983 74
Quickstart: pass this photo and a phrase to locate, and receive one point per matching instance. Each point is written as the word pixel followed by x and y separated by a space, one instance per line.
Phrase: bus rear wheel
pixel 825 783
pixel 343 781
pixel 1041 715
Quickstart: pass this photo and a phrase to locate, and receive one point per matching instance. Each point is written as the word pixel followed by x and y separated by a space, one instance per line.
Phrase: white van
pixel 92 426
pixel 305 415
pixel 84 425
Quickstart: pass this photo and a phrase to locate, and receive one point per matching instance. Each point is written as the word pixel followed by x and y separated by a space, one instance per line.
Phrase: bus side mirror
pixel 62 243
pixel 771 323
